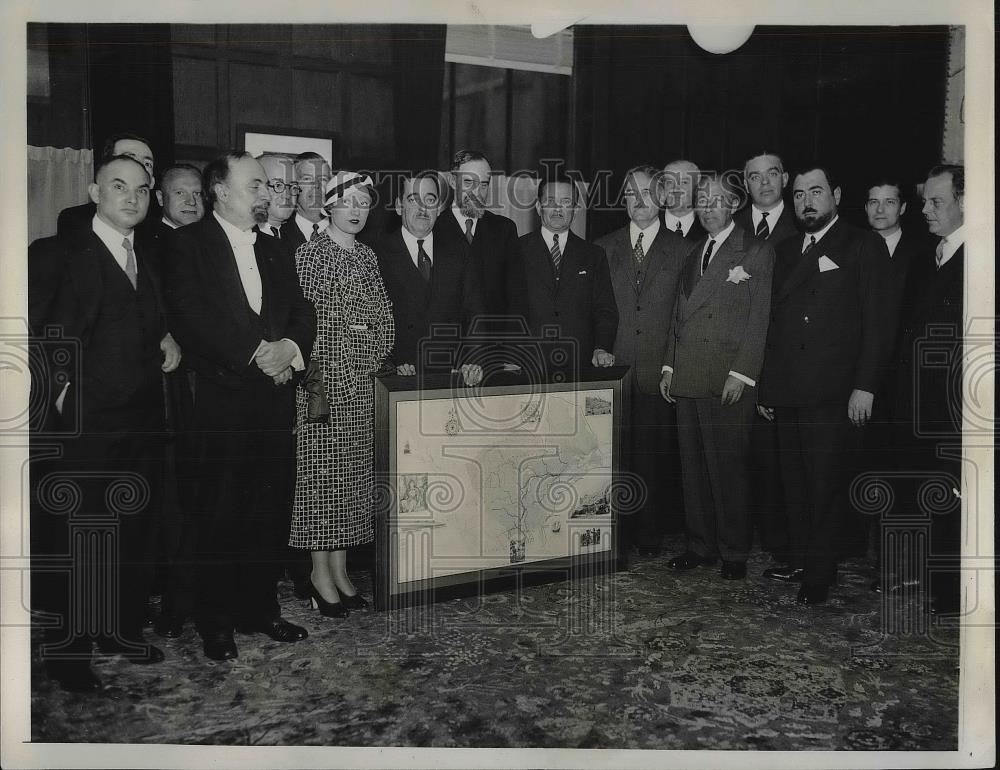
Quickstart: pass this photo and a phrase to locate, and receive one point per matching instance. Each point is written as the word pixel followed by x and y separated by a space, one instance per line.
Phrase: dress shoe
pixel 169 626
pixel 356 602
pixel 733 570
pixel 300 588
pixel 133 650
pixel 73 676
pixel 326 609
pixel 219 645
pixel 784 573
pixel 688 560
pixel 278 629
pixel 813 594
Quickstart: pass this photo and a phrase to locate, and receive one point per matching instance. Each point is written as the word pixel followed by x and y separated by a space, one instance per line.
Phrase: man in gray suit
pixel 645 260
pixel 713 359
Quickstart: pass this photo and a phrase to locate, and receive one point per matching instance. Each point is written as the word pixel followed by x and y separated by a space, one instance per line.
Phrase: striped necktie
pixel 762 228
pixel 556 254
pixel 708 257
pixel 809 246
pixel 939 252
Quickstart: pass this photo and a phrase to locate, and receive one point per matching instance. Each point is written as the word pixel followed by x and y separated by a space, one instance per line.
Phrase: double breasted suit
pixel 830 334
pixel 243 421
pixel 644 294
pixel 453 295
pixel 719 328
pixel 580 303
pixel 110 419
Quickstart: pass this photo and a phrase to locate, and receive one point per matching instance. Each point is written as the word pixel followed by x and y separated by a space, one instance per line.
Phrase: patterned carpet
pixel 642 659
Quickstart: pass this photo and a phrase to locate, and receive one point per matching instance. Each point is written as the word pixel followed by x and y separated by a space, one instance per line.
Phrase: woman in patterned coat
pixel 335 426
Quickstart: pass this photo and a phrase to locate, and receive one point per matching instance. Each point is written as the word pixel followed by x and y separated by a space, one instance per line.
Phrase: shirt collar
pixel 722 236
pixel 111 237
pixel 671 221
pixel 236 236
pixel 892 241
pixel 307 227
pixel 168 223
pixel 460 218
pixel 773 215
pixel 648 234
pixel 952 243
pixel 547 236
pixel 820 233
pixel 411 243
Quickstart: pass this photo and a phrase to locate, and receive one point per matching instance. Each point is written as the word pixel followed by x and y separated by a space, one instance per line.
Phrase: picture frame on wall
pixel 504 485
pixel 257 139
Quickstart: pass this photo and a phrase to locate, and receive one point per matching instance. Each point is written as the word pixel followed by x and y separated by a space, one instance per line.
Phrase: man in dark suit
pixel 234 299
pixel 99 288
pixel 487 239
pixel 831 331
pixel 429 282
pixel 927 410
pixel 312 173
pixel 182 203
pixel 884 208
pixel 645 262
pixel 567 283
pixel 79 217
pixel 713 355
pixel 766 218
pixel 677 182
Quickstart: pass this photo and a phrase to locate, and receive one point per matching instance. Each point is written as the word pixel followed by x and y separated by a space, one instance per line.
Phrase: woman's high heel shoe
pixel 355 602
pixel 326 609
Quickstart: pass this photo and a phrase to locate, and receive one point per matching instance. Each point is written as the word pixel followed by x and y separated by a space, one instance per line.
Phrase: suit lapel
pixel 224 263
pixel 540 262
pixel 730 254
pixel 807 265
pixel 656 254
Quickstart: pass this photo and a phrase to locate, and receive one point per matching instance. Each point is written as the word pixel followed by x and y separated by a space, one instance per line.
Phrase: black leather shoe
pixel 688 560
pixel 813 594
pixel 75 676
pixel 219 645
pixel 356 602
pixel 278 629
pixel 300 588
pixel 169 626
pixel 784 573
pixel 733 570
pixel 133 650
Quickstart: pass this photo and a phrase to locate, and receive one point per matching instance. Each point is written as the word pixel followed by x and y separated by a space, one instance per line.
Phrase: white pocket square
pixel 825 264
pixel 582 272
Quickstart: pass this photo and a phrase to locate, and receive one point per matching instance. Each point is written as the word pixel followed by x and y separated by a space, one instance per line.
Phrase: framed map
pixel 480 488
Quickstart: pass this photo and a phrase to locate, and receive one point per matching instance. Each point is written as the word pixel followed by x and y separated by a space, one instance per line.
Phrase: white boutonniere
pixel 738 275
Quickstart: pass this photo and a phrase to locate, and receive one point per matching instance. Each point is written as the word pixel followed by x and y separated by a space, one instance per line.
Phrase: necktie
pixel 315 231
pixel 423 261
pixel 639 252
pixel 762 229
pixel 130 269
pixel 275 232
pixel 468 230
pixel 556 253
pixel 812 242
pixel 939 252
pixel 679 229
pixel 707 258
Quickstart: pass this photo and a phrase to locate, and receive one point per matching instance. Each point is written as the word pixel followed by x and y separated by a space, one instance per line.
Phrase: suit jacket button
pixel 557 314
pixel 638 331
pixel 638 308
pixel 802 347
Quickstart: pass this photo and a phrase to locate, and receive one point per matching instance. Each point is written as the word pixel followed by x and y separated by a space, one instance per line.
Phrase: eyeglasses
pixel 278 187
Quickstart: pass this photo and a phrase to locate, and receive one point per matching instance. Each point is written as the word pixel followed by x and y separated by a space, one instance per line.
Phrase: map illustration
pixel 501 480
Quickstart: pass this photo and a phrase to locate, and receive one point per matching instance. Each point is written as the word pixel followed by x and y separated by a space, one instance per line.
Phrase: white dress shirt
pixel 719 240
pixel 671 221
pixel 460 218
pixel 951 244
pixel 548 236
pixel 648 235
pixel 892 241
pixel 411 245
pixel 242 242
pixel 306 227
pixel 113 240
pixel 773 215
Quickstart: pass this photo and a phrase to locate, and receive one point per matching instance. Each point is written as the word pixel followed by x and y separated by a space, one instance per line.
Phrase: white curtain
pixel 57 178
